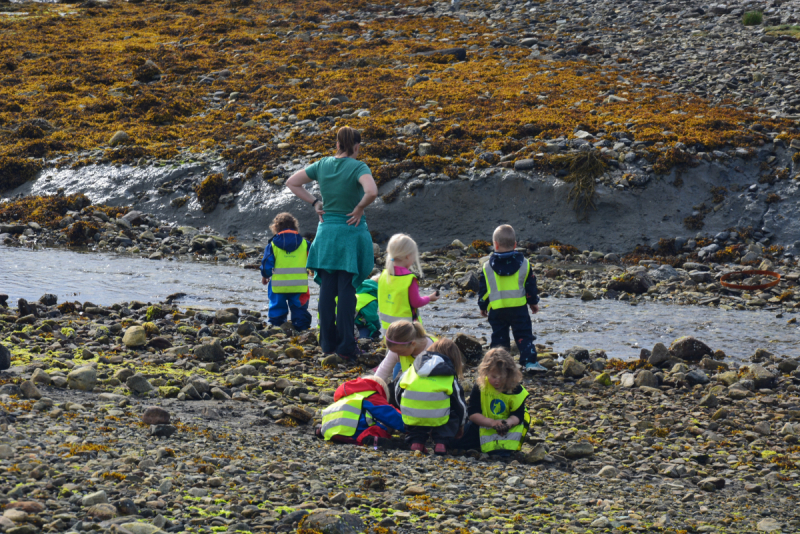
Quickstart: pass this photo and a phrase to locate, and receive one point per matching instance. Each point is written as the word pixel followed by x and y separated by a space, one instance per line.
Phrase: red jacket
pixel 384 414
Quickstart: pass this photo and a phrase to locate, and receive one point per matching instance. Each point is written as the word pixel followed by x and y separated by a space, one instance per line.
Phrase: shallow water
pixel 617 327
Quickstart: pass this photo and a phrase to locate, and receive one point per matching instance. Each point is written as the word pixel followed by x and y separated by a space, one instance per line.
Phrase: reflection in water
pixel 618 328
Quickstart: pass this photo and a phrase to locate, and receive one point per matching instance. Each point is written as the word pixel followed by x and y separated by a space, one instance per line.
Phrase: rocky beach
pixel 646 153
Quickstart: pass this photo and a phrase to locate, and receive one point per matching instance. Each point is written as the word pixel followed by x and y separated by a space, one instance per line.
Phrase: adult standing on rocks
pixel 341 254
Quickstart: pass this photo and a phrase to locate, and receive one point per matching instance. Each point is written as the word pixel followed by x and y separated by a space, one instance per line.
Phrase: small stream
pixel 617 327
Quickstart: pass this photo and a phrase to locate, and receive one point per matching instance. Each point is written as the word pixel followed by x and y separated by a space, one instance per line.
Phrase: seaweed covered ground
pixel 259 83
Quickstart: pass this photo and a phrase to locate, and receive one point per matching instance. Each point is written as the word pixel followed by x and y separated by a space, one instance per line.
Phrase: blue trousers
pixel 518 319
pixel 280 304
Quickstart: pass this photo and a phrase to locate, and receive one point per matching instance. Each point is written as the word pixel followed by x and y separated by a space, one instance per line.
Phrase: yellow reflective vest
pixel 393 303
pixel 506 291
pixel 289 274
pixel 362 299
pixel 498 406
pixel 341 417
pixel 426 399
pixel 408 361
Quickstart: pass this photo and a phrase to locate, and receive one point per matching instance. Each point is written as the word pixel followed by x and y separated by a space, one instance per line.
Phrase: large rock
pixel 787 366
pixel 5 358
pixel 469 282
pixel 82 378
pixel 608 471
pixel 646 379
pixel 154 415
pixel 695 377
pixel 94 498
pixel 470 347
pixel 141 528
pixel 582 449
pixel 690 349
pixel 212 352
pixel 30 391
pixel 659 356
pixel 334 522
pixel 135 336
pixel 762 379
pixel 631 283
pixel 139 384
pixel 572 368
pixel 225 317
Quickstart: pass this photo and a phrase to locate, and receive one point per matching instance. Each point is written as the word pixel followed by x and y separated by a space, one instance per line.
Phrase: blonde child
pixel 404 342
pixel 398 289
pixel 431 399
pixel 498 419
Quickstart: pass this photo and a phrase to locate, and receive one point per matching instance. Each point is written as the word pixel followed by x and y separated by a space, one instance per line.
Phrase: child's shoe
pixel 419 447
pixel 440 449
pixel 535 367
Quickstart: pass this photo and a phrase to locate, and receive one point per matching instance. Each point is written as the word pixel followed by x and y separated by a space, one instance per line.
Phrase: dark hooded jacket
pixel 436 364
pixel 507 264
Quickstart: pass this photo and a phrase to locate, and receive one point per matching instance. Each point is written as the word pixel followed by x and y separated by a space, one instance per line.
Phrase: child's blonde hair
pixel 401 333
pixel 500 360
pixel 400 246
pixel 505 237
pixel 450 349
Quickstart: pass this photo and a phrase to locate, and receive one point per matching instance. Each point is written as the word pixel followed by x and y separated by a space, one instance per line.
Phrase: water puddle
pixel 617 327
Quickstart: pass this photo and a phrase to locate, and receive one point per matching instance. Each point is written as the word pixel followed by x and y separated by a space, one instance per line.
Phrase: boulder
pixel 154 415
pixel 139 384
pixel 787 366
pixel 135 336
pixel 646 379
pixel 334 522
pixel 5 358
pixel 582 449
pixel 225 317
pixel 659 355
pixel 469 346
pixel 82 378
pixel 608 471
pixel 762 378
pixel 696 376
pixel 572 368
pixel 212 352
pixel 469 282
pixel 29 390
pixel 637 283
pixel 690 349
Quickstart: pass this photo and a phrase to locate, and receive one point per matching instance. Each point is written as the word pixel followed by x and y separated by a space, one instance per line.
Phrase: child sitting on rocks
pixel 431 399
pixel 361 414
pixel 498 419
pixel 507 288
pixel 284 269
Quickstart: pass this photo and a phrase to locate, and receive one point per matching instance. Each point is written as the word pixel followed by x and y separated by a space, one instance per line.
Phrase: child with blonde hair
pixel 404 342
pixel 498 419
pixel 431 399
pixel 398 289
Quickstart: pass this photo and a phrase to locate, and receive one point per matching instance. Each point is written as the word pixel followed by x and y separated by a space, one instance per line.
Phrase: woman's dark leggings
pixel 337 324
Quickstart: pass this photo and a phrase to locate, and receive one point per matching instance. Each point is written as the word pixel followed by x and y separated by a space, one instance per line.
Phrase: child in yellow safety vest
pixel 404 342
pixel 431 399
pixel 398 289
pixel 284 269
pixel 498 419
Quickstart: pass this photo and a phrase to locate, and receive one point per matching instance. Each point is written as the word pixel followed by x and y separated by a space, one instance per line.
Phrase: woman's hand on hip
pixel 320 211
pixel 355 216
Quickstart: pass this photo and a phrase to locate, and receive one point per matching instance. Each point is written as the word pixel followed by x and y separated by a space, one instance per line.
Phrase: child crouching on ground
pixel 404 342
pixel 361 414
pixel 367 321
pixel 498 419
pixel 284 269
pixel 431 399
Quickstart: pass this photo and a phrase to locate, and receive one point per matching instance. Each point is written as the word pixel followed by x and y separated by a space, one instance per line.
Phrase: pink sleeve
pixel 414 297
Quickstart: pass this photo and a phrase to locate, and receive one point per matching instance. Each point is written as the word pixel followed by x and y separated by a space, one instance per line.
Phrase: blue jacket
pixel 506 264
pixel 287 241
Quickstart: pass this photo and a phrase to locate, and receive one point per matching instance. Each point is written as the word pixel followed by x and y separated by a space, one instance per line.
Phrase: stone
pixel 627 380
pixel 608 471
pixel 29 390
pixel 728 378
pixel 582 449
pixel 225 317
pixel 139 385
pixel 788 366
pixel 769 525
pixel 40 377
pixel 523 165
pixel 154 415
pixel 5 358
pixel 212 352
pixel 469 282
pixel 646 379
pixel 102 511
pixel 572 368
pixel 162 431
pixel 587 295
pixel 141 528
pixel 690 349
pixel 761 377
pixel 219 394
pixel 537 454
pixel 301 415
pixel 470 347
pixel 604 379
pixel 94 498
pixel 659 355
pixel 709 401
pixel 82 378
pixel 6 451
pixel 135 336
pixel 600 522
pixel 696 376
pixel 711 484
pixel 119 138
pixel 334 522
pixel 763 428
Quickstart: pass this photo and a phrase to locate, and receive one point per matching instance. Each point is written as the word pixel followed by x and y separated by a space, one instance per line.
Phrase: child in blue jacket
pixel 283 268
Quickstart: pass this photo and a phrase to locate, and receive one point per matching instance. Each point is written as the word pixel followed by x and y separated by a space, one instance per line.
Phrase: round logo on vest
pixel 497 407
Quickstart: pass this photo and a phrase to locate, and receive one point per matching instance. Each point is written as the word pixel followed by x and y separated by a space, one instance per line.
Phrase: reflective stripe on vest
pixel 341 417
pixel 393 303
pixel 289 274
pixel 498 406
pixel 506 291
pixel 426 399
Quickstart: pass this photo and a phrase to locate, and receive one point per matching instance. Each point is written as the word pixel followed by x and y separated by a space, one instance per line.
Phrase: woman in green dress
pixel 341 254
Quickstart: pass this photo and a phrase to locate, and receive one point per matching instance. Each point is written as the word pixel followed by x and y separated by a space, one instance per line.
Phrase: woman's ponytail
pixel 346 139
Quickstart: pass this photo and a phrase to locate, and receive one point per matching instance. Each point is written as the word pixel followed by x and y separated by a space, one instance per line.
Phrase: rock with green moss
pixel 155 312
pixel 68 332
